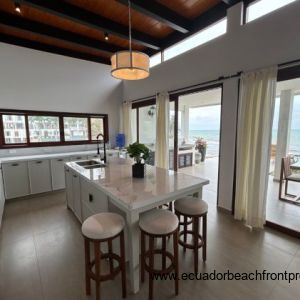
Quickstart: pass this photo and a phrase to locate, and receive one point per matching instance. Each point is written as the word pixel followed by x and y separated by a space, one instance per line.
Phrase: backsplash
pixel 47 150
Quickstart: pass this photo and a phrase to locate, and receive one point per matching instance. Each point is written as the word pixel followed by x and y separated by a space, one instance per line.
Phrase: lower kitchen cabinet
pixel 92 197
pixel 57 173
pixel 76 196
pixel 16 179
pixel 39 176
pixel 69 188
pixel 2 198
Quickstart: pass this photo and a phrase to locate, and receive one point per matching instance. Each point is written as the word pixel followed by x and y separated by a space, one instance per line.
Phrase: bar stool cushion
pixel 102 226
pixel 191 206
pixel 158 222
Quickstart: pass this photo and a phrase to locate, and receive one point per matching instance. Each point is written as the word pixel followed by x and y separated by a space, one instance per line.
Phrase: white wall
pixel 269 40
pixel 34 80
pixel 272 39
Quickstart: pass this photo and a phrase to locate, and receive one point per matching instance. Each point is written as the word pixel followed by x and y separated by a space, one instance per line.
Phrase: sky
pixel 205 118
pixel 262 7
pixel 295 114
pixel 208 118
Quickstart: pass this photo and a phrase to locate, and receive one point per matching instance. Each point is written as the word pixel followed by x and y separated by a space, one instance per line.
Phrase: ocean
pixel 212 137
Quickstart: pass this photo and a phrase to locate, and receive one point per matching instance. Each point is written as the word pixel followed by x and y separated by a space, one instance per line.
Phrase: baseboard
pixel 288 231
pixel 224 210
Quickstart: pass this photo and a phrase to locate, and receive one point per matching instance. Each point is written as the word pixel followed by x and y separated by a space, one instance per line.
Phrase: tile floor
pixel 41 257
pixel 279 212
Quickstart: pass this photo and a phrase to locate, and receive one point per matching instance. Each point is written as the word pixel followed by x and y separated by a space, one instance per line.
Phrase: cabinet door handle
pixel 60 159
pixel 38 162
pixel 14 165
pixel 91 198
pixel 75 176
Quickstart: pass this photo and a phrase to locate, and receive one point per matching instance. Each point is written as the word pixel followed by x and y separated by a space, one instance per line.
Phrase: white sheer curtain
pixel 162 131
pixel 256 107
pixel 127 111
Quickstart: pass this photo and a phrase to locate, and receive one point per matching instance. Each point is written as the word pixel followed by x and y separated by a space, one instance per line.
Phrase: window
pixel 43 129
pixel 97 127
pixel 155 59
pixel 262 7
pixel 147 125
pixel 14 129
pixel 76 129
pixel 197 39
pixel 40 128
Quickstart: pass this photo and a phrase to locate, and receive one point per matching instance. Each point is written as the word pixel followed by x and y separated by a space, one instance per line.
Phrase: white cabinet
pixel 57 173
pixel 73 192
pixel 95 200
pixel 39 176
pixel 15 178
pixel 2 198
pixel 76 195
pixel 69 188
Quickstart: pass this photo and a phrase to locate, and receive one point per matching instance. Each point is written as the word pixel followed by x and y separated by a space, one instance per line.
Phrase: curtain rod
pixel 289 64
pixel 220 79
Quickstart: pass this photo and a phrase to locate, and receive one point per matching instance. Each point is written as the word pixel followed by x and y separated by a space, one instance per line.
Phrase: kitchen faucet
pixel 98 148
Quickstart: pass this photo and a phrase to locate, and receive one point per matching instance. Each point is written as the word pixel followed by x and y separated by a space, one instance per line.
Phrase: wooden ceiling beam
pixel 8 39
pixel 78 15
pixel 160 13
pixel 20 23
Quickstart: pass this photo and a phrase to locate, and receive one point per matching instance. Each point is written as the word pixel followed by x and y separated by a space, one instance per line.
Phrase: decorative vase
pixel 203 154
pixel 138 170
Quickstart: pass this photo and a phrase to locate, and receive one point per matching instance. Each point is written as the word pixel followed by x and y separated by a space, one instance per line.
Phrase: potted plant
pixel 201 146
pixel 140 153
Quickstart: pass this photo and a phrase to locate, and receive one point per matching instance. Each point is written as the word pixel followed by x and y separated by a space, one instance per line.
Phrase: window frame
pixel 247 3
pixel 60 115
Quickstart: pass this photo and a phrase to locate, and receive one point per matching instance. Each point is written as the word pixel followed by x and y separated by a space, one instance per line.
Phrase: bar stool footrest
pixel 161 271
pixel 109 276
pixel 187 245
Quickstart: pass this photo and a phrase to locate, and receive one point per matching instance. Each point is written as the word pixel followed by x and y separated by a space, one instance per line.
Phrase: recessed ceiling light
pixel 106 36
pixel 17 7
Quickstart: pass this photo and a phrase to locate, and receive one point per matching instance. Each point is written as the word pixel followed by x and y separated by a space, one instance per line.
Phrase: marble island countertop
pixel 133 193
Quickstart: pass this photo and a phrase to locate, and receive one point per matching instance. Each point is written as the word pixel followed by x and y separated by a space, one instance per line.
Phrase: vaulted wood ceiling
pixel 77 28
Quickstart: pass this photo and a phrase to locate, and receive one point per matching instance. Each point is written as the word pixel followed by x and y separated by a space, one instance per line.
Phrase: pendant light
pixel 130 64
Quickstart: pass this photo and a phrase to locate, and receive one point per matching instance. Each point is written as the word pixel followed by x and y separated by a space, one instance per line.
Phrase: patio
pixel 279 212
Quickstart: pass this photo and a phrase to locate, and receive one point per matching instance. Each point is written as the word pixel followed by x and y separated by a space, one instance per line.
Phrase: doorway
pixel 285 143
pixel 195 117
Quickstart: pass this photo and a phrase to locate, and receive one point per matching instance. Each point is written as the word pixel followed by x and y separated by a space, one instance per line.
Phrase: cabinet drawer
pixel 16 180
pixel 95 199
pixel 39 176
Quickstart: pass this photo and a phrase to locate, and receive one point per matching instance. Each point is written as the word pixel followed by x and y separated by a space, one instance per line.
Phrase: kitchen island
pixel 112 188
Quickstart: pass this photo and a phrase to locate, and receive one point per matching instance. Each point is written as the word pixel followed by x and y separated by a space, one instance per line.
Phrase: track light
pixel 106 36
pixel 17 7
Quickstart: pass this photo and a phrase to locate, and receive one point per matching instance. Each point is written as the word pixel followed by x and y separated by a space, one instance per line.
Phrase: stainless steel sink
pixel 91 164
pixel 95 166
pixel 87 163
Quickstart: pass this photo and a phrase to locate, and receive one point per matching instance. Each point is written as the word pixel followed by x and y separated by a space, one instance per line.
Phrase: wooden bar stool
pixel 195 210
pixel 97 229
pixel 158 223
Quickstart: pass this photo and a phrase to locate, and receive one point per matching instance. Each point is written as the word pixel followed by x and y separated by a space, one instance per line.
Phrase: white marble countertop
pixel 133 193
pixel 8 159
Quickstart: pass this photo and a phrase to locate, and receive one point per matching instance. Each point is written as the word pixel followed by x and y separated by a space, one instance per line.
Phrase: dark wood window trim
pixel 61 116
